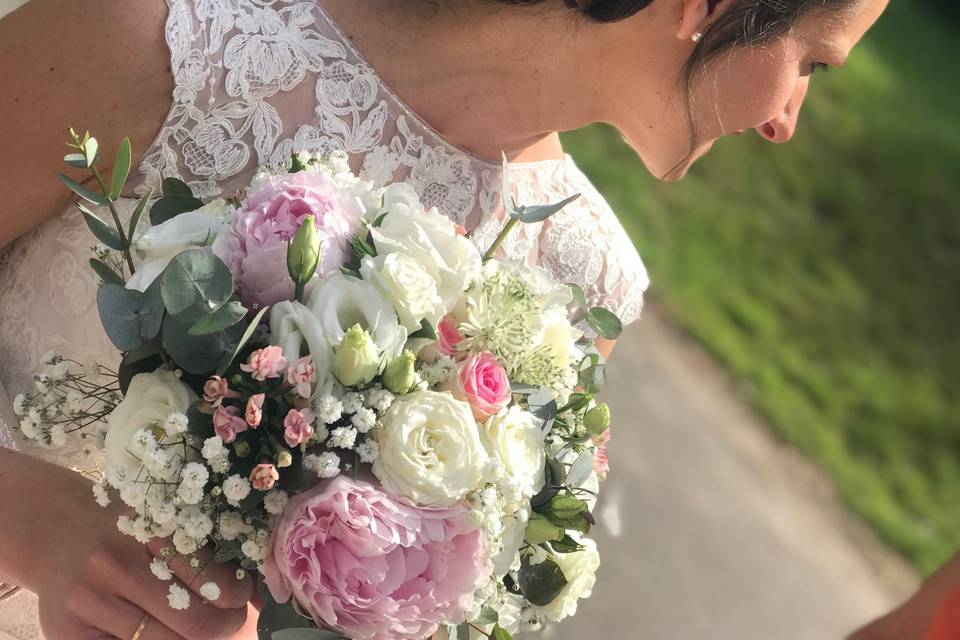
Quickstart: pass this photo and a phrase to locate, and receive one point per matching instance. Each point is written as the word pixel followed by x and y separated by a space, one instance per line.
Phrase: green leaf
pixel 176 187
pixel 488 615
pixel 540 529
pixel 224 317
pixel 169 207
pixel 276 617
pixel 578 296
pixel 108 275
pixel 137 214
pixel 101 230
pixel 90 151
pixel 129 317
pixel 83 192
pixel 569 512
pixel 306 634
pixel 566 545
pixel 121 169
pixel 499 633
pixel 198 354
pixel 227 551
pixel 146 358
pixel 541 583
pixel 580 470
pixel 539 213
pixel 605 323
pixel 195 284
pixel 77 160
pixel 592 378
pixel 228 359
pixel 426 331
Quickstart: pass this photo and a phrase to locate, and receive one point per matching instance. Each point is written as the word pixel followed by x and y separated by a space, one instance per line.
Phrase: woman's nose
pixel 781 128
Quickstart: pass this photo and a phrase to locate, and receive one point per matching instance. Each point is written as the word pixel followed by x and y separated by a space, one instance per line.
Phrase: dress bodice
pixel 254 81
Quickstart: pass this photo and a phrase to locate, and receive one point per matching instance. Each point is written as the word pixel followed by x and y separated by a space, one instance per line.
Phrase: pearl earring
pixel 696 36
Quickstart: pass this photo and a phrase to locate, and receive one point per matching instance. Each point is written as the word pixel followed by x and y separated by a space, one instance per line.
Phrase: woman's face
pixel 759 88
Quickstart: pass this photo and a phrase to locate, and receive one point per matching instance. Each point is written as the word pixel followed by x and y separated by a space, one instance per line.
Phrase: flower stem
pixel 507 228
pixel 116 220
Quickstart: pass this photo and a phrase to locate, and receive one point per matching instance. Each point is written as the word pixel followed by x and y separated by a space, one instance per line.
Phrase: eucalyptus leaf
pixel 541 583
pixel 198 354
pixel 83 192
pixel 175 187
pixel 228 359
pixel 605 323
pixel 90 150
pixel 579 472
pixel 488 615
pixel 137 214
pixel 121 169
pixel 578 296
pixel 539 213
pixel 592 378
pixel 227 551
pixel 224 317
pixel 77 160
pixel 108 275
pixel 195 284
pixel 101 230
pixel 129 317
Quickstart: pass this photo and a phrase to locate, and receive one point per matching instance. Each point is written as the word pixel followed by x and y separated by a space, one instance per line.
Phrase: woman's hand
pixel 90 578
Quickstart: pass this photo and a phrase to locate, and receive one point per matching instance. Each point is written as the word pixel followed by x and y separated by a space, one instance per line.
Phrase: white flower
pixel 210 591
pixel 364 420
pixel 163 513
pixel 184 543
pixel 351 402
pixel 232 525
pixel 325 465
pixel 428 237
pixel 194 475
pixel 580 570
pixel 343 437
pixel 256 548
pixel 275 501
pixel 194 522
pixel 176 423
pixel 560 337
pixel 369 451
pixel 513 437
pixel 328 409
pixel 100 495
pixel 178 597
pixel 160 569
pixel 20 405
pixel 58 435
pixel 190 494
pixel 214 448
pixel 430 449
pixel 150 398
pixel 407 285
pixel 514 530
pixel 125 525
pixel 41 382
pixel 379 399
pixel 29 428
pixel 157 246
pixel 235 489
pixel 59 371
pixel 134 494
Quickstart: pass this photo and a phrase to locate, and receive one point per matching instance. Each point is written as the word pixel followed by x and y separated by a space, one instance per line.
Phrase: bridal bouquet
pixel 329 385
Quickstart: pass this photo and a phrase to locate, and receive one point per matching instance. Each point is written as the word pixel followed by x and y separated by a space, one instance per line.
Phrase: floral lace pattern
pixel 254 81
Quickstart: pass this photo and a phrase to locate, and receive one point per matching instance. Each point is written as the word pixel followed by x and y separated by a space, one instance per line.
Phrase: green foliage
pixel 198 354
pixel 195 284
pixel 121 169
pixel 129 317
pixel 177 198
pixel 824 273
pixel 541 583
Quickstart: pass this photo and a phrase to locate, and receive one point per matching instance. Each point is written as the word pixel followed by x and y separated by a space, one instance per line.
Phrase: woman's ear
pixel 695 16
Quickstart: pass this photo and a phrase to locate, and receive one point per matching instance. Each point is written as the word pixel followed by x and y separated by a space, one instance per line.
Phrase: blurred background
pixel 786 457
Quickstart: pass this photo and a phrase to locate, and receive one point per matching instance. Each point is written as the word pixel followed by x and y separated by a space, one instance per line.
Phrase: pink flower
pixel 298 426
pixel 301 375
pixel 372 566
pixel 227 423
pixel 255 246
pixel 265 363
pixel 601 464
pixel 483 383
pixel 264 476
pixel 448 337
pixel 254 414
pixel 216 389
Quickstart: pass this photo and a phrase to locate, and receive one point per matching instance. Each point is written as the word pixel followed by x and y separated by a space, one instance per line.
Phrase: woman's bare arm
pixel 99 65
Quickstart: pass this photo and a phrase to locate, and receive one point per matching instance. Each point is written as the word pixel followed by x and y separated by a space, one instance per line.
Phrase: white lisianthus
pixel 150 398
pixel 513 437
pixel 580 570
pixel 160 244
pixel 428 237
pixel 514 530
pixel 430 449
pixel 295 329
pixel 407 285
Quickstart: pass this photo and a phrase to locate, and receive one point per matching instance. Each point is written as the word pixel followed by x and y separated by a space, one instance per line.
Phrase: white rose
pixel 431 239
pixel 513 437
pixel 580 570
pixel 150 398
pixel 407 285
pixel 160 244
pixel 430 449
pixel 560 337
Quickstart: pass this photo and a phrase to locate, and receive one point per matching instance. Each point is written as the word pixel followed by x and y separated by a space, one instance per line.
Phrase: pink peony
pixel 227 423
pixel 265 363
pixel 254 413
pixel 255 245
pixel 482 382
pixel 372 566
pixel 264 476
pixel 297 426
pixel 216 389
pixel 302 374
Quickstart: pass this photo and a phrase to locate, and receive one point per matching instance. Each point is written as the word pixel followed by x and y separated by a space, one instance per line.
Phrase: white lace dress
pixel 255 80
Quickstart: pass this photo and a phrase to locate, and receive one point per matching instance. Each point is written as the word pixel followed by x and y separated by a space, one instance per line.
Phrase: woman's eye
pixel 819 66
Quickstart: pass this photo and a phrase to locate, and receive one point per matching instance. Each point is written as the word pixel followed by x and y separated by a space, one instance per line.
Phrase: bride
pixel 426 91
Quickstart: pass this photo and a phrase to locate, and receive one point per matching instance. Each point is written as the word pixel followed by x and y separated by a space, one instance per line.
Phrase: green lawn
pixel 825 274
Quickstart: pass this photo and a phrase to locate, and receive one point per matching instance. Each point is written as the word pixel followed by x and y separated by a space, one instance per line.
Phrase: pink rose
pixel 265 363
pixel 298 426
pixel 254 414
pixel 448 337
pixel 255 245
pixel 264 476
pixel 227 423
pixel 601 464
pixel 216 389
pixel 482 382
pixel 302 374
pixel 374 567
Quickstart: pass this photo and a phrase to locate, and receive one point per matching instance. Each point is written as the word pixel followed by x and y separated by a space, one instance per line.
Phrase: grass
pixel 825 274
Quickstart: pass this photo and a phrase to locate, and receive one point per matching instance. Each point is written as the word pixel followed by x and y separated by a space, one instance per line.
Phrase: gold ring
pixel 143 625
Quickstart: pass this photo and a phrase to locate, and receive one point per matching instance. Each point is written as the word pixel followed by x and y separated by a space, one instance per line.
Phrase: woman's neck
pixel 488 78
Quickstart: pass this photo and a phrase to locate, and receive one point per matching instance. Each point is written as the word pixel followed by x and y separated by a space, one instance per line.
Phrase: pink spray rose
pixel 302 374
pixel 227 423
pixel 298 426
pixel 254 413
pixel 216 389
pixel 264 476
pixel 373 566
pixel 255 245
pixel 265 363
pixel 601 464
pixel 448 337
pixel 482 382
